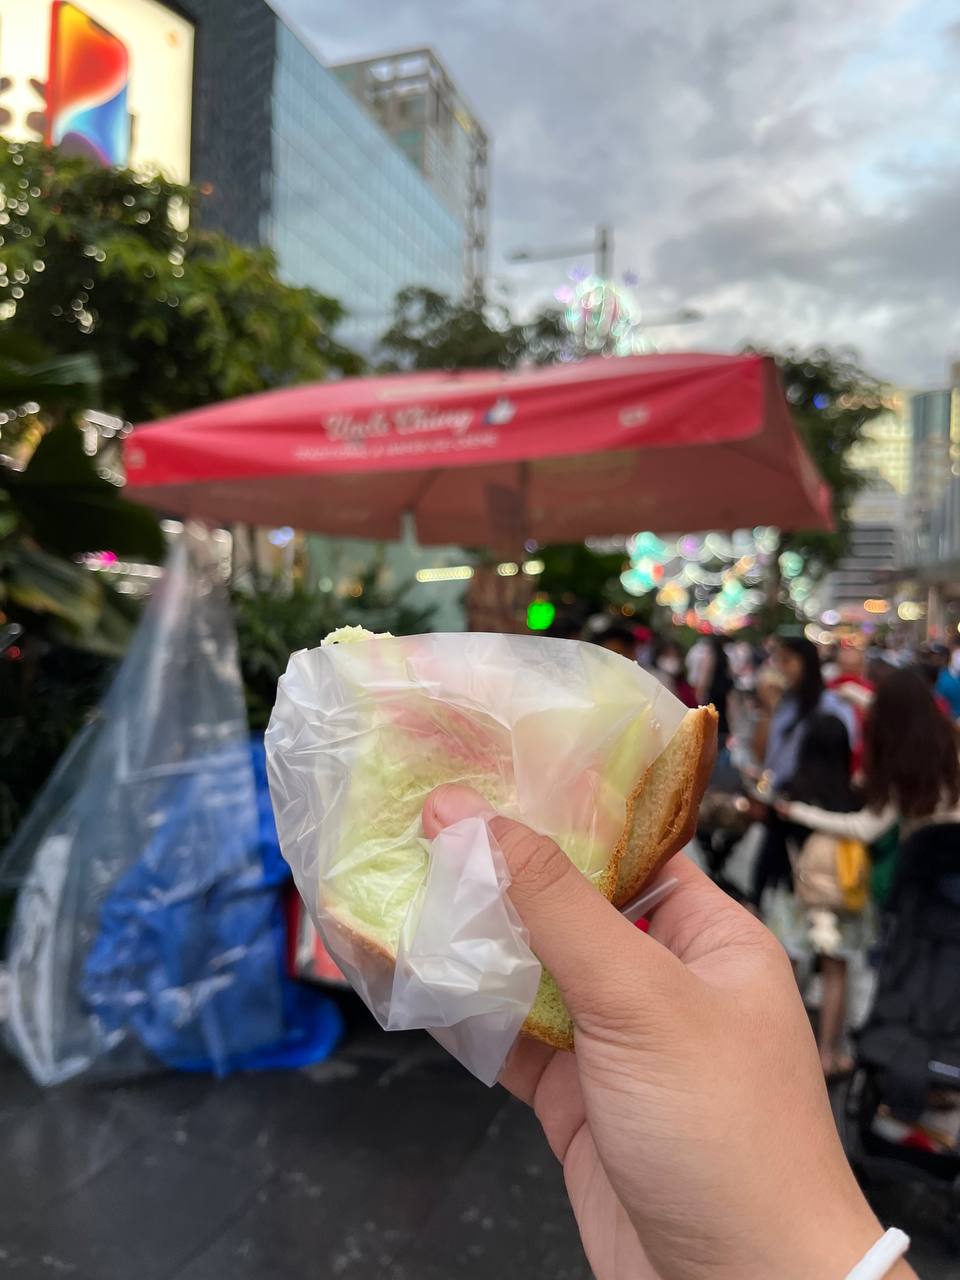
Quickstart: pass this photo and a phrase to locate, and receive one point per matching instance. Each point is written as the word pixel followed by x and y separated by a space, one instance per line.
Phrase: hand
pixel 756 810
pixel 692 1123
pixel 782 807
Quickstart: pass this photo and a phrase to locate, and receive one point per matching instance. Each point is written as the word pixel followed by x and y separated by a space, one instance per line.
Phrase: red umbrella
pixel 604 446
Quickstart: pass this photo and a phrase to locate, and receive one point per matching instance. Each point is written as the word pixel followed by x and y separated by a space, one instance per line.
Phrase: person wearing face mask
pixel 669 670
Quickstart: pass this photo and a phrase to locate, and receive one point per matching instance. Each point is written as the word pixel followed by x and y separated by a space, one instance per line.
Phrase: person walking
pixel 817 922
pixel 716 685
pixel 851 684
pixel 911 770
pixel 797 664
pixel 948 682
pixel 668 667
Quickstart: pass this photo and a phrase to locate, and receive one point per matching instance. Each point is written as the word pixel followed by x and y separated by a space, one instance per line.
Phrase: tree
pixel 583 581
pixel 107 263
pixel 429 331
pixel 273 622
pixel 832 399
pixel 61 626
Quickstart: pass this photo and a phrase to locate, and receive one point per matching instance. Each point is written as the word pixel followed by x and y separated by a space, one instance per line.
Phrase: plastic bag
pixel 552 732
pixel 146 927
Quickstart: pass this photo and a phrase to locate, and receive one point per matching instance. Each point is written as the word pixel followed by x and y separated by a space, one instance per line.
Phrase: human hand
pixel 757 810
pixel 692 1122
pixel 782 807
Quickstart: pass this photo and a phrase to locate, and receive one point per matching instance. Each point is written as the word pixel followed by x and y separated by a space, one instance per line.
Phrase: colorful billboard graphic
pixel 110 79
pixel 87 80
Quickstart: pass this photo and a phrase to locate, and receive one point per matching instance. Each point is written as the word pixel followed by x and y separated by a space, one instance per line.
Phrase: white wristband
pixel 878 1262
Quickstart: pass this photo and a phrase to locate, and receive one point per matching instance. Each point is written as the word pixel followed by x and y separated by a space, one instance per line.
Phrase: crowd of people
pixel 839 754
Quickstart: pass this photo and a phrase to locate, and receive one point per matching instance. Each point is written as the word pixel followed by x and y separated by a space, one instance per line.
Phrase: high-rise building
pixel 873 551
pixel 225 94
pixel 885 447
pixel 415 100
pixel 878 513
pixel 935 487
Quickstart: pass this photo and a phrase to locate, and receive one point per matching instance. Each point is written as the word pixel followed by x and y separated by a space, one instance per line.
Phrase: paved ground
pixel 387 1162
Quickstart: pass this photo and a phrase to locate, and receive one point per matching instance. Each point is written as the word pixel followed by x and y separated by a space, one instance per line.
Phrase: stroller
pixel 902 1109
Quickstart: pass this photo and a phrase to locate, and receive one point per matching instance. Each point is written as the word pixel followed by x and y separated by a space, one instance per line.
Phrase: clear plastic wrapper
pixel 552 732
pixel 144 932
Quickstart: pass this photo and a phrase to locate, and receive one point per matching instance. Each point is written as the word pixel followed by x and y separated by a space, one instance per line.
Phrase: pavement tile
pixel 505 1215
pixel 56 1145
pixel 142 1217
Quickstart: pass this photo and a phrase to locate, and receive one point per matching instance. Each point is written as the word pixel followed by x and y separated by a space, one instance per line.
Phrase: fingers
pixel 600 961
pixel 696 916
pixel 524 1068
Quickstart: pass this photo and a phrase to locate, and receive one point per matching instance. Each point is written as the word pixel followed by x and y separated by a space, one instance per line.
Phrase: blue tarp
pixel 191 961
pixel 149 924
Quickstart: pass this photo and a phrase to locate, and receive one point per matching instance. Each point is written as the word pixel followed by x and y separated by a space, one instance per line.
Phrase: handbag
pixel 853 873
pixel 832 872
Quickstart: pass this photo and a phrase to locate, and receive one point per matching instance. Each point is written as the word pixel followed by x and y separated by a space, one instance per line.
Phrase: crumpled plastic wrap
pixel 552 732
pixel 144 931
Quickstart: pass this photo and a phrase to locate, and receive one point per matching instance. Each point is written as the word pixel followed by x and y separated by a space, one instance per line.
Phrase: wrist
pixel 901 1270
pixel 846 1249
pixel 826 1244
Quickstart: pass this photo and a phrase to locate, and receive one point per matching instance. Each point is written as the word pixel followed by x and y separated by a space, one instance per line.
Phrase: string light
pixel 445 573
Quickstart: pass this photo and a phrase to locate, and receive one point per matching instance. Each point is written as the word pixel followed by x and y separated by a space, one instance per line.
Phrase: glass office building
pixel 287 157
pixel 348 211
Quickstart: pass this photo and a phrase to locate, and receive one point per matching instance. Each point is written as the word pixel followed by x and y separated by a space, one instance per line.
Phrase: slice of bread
pixel 662 818
pixel 664 807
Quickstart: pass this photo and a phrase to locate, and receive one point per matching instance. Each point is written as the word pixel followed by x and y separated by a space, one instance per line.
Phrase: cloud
pixel 788 167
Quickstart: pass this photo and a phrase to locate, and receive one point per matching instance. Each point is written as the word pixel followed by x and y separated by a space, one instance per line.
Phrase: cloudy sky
pixel 789 167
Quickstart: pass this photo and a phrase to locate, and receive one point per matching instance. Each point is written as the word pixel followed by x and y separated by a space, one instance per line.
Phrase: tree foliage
pixel 274 622
pixel 61 626
pixel 429 331
pixel 581 580
pixel 832 400
pixel 107 263
pixel 58 506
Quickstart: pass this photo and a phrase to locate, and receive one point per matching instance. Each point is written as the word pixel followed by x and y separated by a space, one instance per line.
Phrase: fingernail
pixel 453 802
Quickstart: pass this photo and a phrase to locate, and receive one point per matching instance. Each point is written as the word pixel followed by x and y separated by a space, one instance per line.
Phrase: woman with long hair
pixel 911 770
pixel 813 924
pixel 716 685
pixel 797 666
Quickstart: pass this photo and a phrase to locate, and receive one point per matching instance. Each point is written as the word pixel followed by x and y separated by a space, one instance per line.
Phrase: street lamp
pixel 602 250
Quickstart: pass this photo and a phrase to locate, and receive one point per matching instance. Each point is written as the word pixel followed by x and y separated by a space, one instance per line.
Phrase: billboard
pixel 109 79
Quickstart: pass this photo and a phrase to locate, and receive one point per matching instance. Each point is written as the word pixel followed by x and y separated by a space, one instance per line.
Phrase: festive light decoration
pixel 714 581
pixel 791 564
pixel 599 315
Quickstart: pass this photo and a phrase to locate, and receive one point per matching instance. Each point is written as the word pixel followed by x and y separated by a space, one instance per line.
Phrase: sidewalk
pixel 386 1162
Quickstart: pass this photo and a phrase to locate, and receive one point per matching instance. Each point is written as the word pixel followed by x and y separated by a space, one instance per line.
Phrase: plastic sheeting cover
pixel 148 830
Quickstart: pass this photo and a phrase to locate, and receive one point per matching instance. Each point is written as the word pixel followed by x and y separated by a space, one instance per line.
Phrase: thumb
pixel 599 960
